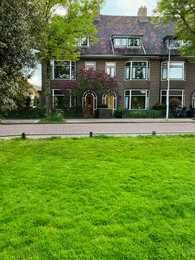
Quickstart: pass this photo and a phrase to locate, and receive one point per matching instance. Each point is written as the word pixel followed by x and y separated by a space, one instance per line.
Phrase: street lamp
pixel 168 84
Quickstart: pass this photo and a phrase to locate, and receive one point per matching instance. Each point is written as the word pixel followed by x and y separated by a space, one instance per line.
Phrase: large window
pixel 137 99
pixel 63 70
pixel 135 70
pixel 176 71
pixel 176 97
pixel 63 100
pixel 111 68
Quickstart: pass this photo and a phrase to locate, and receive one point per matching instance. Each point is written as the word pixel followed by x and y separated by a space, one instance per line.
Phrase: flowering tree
pixel 94 80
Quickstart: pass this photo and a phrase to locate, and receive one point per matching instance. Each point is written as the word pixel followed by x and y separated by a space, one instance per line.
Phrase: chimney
pixel 142 13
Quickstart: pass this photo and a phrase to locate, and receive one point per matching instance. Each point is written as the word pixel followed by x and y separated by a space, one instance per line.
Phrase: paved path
pixel 115 127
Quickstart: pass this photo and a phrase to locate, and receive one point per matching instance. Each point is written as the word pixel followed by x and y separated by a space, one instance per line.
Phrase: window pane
pixel 123 42
pixel 127 73
pixel 117 42
pixel 176 73
pixel 90 65
pixel 138 102
pixel 138 70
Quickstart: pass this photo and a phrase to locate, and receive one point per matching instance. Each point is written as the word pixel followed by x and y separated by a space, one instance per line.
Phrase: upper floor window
pixel 127 42
pixel 176 71
pixel 111 68
pixel 63 69
pixel 172 42
pixel 135 70
pixel 83 42
pixel 90 65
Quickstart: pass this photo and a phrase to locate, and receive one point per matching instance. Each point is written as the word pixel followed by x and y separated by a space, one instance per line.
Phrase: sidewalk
pixel 101 120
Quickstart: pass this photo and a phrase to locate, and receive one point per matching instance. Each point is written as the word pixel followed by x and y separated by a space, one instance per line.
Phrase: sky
pixel 111 7
pixel 127 7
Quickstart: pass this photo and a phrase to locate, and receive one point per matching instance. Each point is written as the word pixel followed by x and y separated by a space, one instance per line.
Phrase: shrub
pixel 146 114
pixel 159 106
pixel 74 112
pixel 119 112
pixel 27 113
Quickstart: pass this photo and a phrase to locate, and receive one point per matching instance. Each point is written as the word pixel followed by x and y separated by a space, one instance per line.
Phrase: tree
pixel 90 79
pixel 19 27
pixel 183 12
pixel 25 25
pixel 61 34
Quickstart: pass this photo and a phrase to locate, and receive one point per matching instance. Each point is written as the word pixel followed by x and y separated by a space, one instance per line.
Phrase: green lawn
pixel 98 198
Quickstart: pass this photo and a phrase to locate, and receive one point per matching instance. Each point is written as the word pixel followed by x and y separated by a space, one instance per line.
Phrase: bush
pixel 27 113
pixel 119 112
pixel 146 114
pixel 75 112
pixel 159 106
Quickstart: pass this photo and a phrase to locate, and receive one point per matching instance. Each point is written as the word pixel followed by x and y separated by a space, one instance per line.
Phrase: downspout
pixel 143 48
pixel 112 45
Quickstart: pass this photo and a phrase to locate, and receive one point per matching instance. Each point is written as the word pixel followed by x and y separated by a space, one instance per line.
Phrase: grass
pixel 97 198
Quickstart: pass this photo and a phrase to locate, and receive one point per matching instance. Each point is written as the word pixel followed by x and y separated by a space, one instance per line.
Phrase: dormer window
pixel 82 42
pixel 134 42
pixel 126 41
pixel 172 42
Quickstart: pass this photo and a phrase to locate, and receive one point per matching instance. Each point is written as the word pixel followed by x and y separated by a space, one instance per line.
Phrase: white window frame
pixel 173 65
pixel 193 100
pixel 172 94
pixel 110 68
pixel 90 65
pixel 83 42
pixel 174 44
pixel 72 74
pixel 131 70
pixel 125 42
pixel 128 98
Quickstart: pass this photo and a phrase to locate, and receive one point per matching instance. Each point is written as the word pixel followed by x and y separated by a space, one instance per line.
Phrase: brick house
pixel 136 52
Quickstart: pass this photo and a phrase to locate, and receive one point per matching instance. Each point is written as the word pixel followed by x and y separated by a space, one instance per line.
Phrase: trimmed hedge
pixel 147 114
pixel 27 113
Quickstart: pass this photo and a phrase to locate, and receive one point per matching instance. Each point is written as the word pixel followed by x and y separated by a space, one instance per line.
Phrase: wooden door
pixel 89 105
pixel 110 101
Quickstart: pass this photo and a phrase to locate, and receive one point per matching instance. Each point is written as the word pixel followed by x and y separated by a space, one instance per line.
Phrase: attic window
pixel 126 42
pixel 172 42
pixel 82 42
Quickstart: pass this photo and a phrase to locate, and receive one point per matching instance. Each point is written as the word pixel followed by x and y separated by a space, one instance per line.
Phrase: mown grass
pixel 97 198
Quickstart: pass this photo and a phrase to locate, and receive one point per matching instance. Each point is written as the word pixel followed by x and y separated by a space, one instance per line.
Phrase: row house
pixel 135 51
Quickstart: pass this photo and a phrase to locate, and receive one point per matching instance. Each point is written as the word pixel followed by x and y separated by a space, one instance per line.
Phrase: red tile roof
pixel 130 25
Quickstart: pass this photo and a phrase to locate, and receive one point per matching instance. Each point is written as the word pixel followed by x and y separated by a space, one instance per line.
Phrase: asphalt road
pixel 81 128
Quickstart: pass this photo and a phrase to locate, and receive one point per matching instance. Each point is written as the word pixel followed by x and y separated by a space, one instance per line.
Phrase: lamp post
pixel 168 84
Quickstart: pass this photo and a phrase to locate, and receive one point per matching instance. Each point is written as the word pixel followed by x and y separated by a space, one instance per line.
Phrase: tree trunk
pixel 47 88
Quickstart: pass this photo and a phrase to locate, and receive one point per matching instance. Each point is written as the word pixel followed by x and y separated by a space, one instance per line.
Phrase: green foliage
pixel 97 198
pixel 146 114
pixel 26 113
pixel 119 112
pixel 75 112
pixel 56 116
pixel 19 24
pixel 183 12
pixel 159 106
pixel 61 33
